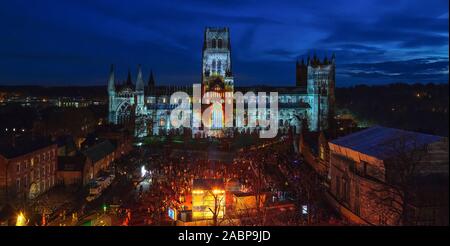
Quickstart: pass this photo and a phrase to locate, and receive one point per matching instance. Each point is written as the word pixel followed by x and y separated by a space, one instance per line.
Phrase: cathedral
pixel 147 106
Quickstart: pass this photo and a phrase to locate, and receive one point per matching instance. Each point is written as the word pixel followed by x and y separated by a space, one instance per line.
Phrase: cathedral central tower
pixel 216 72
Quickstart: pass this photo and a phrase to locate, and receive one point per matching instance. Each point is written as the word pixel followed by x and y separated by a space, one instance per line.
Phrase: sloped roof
pixel 66 141
pixel 23 146
pixel 71 163
pixel 379 141
pixel 99 151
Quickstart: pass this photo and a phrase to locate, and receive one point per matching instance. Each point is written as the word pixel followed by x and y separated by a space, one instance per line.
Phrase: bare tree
pixel 218 200
pixel 405 153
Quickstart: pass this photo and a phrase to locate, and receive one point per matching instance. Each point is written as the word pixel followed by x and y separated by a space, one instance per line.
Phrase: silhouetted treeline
pixel 416 107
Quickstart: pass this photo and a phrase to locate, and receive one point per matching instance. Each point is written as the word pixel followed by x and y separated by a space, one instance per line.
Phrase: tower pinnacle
pixel 139 80
pixel 111 83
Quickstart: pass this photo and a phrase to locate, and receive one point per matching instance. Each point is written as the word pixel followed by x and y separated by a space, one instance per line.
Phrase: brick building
pixel 98 158
pixel 118 136
pixel 27 168
pixel 71 169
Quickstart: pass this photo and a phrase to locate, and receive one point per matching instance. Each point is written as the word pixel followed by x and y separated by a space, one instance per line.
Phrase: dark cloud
pixel 282 53
pixel 415 70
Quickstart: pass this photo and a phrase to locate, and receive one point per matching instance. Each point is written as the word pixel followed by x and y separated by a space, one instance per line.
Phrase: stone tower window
pixel 214 43
pixel 219 43
pixel 219 66
pixel 213 66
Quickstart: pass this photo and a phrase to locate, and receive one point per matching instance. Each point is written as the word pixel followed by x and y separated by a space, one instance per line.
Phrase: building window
pixel 214 43
pixel 18 184
pixel 18 167
pixel 213 66
pixel 219 67
pixel 345 190
pixel 322 153
pixel 219 43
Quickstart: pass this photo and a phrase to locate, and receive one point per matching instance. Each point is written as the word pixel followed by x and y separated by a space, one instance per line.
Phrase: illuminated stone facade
pixel 311 99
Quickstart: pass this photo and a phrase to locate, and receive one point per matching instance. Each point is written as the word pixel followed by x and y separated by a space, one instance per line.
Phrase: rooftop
pixel 22 146
pixel 71 163
pixel 99 151
pixel 380 142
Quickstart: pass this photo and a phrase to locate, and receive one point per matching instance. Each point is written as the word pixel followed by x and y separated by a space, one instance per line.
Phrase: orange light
pixel 216 191
pixel 21 220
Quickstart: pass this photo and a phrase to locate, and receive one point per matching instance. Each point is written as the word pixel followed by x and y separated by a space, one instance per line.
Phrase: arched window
pixel 219 67
pixel 214 43
pixel 219 43
pixel 124 113
pixel 213 66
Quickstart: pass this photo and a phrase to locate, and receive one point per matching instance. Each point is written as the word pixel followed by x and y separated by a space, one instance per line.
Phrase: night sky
pixel 74 42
